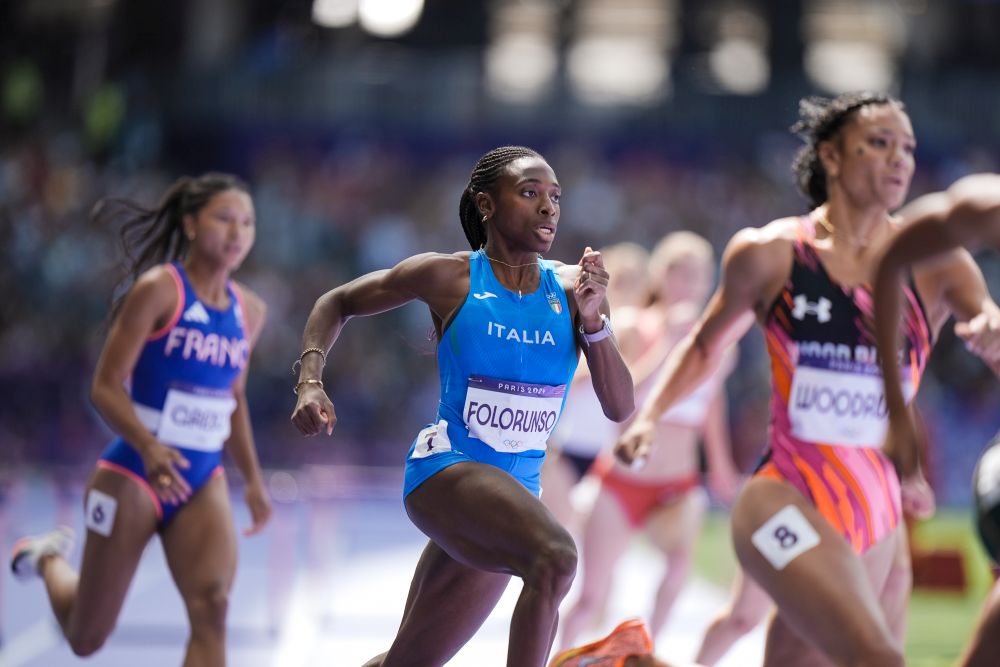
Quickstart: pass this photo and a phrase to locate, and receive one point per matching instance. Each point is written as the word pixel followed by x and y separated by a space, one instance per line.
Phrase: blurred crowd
pixel 332 207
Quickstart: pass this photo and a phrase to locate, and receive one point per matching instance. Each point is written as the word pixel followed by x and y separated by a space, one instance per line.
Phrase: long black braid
pixel 484 177
pixel 820 119
pixel 151 236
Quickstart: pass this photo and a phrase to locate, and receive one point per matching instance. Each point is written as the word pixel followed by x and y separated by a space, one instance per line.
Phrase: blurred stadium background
pixel 357 121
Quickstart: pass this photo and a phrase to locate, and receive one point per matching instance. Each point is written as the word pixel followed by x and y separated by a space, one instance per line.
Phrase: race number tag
pixel 840 403
pixel 432 440
pixel 785 536
pixel 512 416
pixel 196 419
pixel 100 509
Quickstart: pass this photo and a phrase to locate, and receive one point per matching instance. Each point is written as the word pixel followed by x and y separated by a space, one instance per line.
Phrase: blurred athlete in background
pixel 663 497
pixel 171 383
pixel 583 429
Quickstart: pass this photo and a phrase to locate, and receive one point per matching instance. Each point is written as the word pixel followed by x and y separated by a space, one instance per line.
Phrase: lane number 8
pixel 786 538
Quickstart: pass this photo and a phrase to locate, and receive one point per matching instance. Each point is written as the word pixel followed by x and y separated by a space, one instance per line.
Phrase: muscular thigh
pixel 676 525
pixel 749 600
pixel 822 589
pixel 558 480
pixel 892 577
pixel 446 605
pixel 483 517
pixel 120 519
pixel 606 535
pixel 784 646
pixel 200 540
pixel 883 556
pixel 607 526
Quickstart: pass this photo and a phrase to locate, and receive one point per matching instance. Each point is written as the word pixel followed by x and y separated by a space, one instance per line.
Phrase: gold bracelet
pixel 306 351
pixel 295 389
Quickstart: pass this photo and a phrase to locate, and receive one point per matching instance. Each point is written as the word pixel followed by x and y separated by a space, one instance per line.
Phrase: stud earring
pixel 485 218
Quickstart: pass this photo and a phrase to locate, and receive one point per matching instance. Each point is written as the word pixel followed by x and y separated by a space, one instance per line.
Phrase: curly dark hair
pixel 820 119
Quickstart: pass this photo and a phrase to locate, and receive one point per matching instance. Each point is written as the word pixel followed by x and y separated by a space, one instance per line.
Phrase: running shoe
pixel 28 551
pixel 629 638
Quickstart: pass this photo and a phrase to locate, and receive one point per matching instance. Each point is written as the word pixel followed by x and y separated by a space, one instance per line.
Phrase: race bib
pixel 841 403
pixel 512 416
pixel 196 419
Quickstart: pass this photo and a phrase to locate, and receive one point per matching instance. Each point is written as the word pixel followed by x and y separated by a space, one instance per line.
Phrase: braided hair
pixel 484 177
pixel 820 119
pixel 151 236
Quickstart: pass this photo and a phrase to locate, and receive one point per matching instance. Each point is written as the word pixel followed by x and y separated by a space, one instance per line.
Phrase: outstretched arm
pixel 240 445
pixel 936 226
pixel 433 278
pixel 723 475
pixel 146 309
pixel 752 262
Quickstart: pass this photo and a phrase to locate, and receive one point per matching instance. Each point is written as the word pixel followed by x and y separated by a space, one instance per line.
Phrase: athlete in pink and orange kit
pixel 818 526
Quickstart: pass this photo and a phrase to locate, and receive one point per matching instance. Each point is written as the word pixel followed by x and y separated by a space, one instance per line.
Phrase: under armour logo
pixel 803 307
pixel 484 295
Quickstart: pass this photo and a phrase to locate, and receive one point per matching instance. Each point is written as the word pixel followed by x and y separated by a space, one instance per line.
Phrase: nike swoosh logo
pixel 484 295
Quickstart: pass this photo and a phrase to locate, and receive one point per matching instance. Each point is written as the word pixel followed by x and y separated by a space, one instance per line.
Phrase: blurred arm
pixel 936 226
pixel 149 303
pixel 752 264
pixel 240 445
pixel 433 278
pixel 413 278
pixel 723 475
pixel 747 271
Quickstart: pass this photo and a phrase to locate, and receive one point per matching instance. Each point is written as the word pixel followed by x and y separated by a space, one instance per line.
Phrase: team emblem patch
pixel 554 302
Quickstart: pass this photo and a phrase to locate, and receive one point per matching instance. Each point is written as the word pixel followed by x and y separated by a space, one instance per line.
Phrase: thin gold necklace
pixel 511 266
pixel 824 222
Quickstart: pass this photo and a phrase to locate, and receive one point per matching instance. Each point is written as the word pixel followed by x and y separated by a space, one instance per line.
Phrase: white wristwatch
pixel 600 334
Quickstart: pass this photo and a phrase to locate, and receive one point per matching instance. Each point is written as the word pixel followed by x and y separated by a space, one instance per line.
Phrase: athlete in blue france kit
pixel 170 382
pixel 510 326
